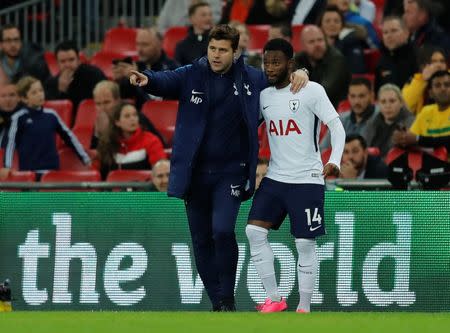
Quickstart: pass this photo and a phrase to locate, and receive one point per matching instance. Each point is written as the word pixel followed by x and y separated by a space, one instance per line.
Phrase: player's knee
pixel 255 234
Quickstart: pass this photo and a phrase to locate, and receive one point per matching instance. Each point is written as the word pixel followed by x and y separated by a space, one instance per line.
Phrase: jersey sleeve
pixel 322 104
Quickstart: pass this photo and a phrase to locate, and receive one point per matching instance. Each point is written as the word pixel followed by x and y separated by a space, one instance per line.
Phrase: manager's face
pixel 220 55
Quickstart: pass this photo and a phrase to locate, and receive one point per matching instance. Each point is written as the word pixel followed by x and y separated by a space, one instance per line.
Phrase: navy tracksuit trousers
pixel 212 207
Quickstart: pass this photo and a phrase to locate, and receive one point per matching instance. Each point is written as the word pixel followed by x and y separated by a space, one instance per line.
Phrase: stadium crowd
pixel 383 64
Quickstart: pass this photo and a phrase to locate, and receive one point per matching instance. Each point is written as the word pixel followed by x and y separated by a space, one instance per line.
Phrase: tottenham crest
pixel 294 104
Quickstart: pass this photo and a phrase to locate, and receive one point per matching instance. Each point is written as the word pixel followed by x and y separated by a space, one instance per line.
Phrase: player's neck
pixel 283 84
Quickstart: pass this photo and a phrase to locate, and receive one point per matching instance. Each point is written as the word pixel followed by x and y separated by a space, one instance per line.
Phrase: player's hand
pixel 330 169
pixel 299 79
pixel 138 79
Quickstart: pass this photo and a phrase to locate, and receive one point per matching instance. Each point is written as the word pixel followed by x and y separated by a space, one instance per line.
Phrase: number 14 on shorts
pixel 316 219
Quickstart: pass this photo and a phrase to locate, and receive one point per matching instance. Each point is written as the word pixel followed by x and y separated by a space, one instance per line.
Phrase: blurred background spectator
pixel 9 104
pixel 160 176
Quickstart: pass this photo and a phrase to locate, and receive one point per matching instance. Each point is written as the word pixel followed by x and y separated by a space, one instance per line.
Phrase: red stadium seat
pixel 65 176
pixel 259 34
pixel 163 115
pixel 172 36
pixel 129 176
pixel 296 32
pixel 374 151
pixel 343 106
pixel 20 176
pixel 69 160
pixel 64 108
pixel 371 57
pixel 120 40
pixel 86 115
pixel 84 135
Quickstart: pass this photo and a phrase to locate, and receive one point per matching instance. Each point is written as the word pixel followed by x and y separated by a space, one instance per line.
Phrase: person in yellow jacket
pixel 431 60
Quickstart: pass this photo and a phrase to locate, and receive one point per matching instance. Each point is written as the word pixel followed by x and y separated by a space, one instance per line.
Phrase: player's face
pixel 390 104
pixel 161 177
pixel 355 154
pixel 440 90
pixel 276 67
pixel 360 97
pixel 35 96
pixel 220 55
pixel 129 120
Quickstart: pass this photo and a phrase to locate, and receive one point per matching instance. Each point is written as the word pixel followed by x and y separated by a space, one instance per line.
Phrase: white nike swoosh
pixel 234 186
pixel 196 92
pixel 312 229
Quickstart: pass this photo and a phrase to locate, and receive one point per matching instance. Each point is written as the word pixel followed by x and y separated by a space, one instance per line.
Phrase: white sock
pixel 306 270
pixel 262 257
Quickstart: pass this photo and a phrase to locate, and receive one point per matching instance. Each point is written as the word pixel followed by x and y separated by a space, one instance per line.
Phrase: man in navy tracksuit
pixel 215 151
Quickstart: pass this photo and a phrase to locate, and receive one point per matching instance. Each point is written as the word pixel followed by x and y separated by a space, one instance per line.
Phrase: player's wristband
pixel 305 70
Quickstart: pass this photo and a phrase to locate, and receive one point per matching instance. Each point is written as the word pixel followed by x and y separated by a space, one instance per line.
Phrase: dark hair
pixel 360 80
pixel 66 45
pixel 109 143
pixel 436 75
pixel 193 8
pixel 280 44
pixel 331 8
pixel 395 18
pixel 7 26
pixel 425 54
pixel 285 29
pixel 225 32
pixel 359 137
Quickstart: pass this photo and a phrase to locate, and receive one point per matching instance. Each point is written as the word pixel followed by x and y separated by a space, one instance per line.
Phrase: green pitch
pixel 180 322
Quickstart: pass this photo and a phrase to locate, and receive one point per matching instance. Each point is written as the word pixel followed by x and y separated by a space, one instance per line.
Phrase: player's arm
pixel 337 134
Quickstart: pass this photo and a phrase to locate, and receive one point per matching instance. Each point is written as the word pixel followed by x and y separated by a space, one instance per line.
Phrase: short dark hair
pixel 192 8
pixel 436 75
pixel 225 32
pixel 361 81
pixel 280 44
pixel 285 29
pixel 7 26
pixel 359 137
pixel 334 9
pixel 66 45
pixel 426 52
pixel 395 18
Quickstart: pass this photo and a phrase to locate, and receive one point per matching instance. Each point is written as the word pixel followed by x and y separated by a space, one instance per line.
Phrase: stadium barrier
pixel 384 251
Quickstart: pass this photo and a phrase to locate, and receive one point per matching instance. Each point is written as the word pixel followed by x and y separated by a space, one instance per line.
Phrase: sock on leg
pixel 262 257
pixel 307 271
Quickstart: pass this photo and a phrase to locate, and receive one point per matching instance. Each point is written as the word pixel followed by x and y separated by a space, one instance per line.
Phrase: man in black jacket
pixel 397 62
pixel 75 81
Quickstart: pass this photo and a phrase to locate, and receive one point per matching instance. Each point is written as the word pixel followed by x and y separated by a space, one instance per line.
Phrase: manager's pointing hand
pixel 138 79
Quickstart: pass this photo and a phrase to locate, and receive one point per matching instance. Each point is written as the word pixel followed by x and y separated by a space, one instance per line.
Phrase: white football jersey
pixel 293 127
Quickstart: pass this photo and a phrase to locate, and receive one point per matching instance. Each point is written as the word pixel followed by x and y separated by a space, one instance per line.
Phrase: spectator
pixel 75 81
pixel 261 170
pixel 33 130
pixel 393 115
pixel 366 9
pixel 9 104
pixel 107 97
pixel 175 13
pixel 434 119
pixel 344 38
pixel 431 60
pixel 244 39
pixel 420 19
pixel 160 176
pixel 306 11
pixel 125 145
pixel 325 63
pixel 18 59
pixel 397 62
pixel 268 12
pixel 280 30
pixel 195 44
pixel 354 18
pixel 358 164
